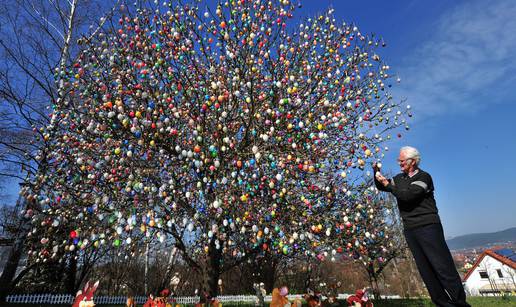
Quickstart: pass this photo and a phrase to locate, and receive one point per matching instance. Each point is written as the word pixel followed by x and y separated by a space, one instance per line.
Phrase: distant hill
pixel 482 239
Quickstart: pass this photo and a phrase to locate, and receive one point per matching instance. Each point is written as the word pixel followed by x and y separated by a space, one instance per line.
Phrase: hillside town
pixel 488 270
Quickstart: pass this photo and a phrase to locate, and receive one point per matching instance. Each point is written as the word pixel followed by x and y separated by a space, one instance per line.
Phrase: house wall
pixel 474 283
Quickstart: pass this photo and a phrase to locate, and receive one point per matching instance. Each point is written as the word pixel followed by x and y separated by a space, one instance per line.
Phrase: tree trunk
pixel 373 280
pixel 71 272
pixel 308 278
pixel 376 289
pixel 211 273
pixel 170 267
pixel 269 281
pixel 269 272
pixel 146 269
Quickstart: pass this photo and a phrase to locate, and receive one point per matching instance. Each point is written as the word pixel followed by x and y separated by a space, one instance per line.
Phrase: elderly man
pixel 414 192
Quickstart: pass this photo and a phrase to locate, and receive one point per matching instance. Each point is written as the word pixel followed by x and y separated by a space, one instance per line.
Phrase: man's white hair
pixel 411 153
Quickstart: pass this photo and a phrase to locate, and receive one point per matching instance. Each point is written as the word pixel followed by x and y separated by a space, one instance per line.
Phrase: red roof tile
pixel 494 255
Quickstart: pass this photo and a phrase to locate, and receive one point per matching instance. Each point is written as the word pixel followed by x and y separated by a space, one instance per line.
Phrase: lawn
pixel 477 301
pixel 474 301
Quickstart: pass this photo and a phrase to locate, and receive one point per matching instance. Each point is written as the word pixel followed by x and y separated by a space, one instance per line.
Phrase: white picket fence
pixel 121 300
pixel 40 298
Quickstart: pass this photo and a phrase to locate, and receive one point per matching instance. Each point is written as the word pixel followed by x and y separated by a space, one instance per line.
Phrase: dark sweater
pixel 415 196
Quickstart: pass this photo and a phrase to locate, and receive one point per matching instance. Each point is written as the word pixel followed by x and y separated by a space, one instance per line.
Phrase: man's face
pixel 406 164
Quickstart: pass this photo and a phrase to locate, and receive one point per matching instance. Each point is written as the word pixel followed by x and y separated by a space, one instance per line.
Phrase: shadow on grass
pixel 416 302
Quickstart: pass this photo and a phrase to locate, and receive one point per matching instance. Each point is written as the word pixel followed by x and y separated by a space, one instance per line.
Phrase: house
pixel 493 273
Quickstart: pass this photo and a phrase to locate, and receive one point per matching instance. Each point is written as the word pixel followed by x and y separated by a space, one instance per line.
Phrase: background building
pixel 493 273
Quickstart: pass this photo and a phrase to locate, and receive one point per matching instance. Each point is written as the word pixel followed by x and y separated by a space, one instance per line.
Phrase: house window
pixel 483 274
pixel 499 273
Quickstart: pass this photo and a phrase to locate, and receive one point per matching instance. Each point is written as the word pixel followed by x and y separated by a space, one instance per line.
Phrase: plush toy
pixel 84 297
pixel 360 299
pixel 312 299
pixel 279 297
pixel 215 303
pixel 86 304
pixel 160 301
pixel 130 302
pixel 150 302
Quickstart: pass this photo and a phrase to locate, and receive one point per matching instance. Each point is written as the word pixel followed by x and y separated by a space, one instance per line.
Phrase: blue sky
pixel 456 62
pixel 458 70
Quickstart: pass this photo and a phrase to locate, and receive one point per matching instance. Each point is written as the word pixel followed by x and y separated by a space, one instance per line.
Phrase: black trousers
pixel 435 264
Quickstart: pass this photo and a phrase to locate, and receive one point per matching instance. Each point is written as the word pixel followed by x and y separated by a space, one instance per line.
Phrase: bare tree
pixel 37 44
pixel 509 274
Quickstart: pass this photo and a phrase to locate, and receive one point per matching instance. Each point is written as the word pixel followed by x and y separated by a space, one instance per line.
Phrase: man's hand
pixel 376 167
pixel 384 181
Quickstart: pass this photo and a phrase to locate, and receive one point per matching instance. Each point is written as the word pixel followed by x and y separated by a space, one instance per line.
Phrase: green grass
pixel 473 301
pixel 423 302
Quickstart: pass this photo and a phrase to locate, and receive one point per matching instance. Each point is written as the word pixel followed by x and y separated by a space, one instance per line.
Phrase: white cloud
pixel 467 64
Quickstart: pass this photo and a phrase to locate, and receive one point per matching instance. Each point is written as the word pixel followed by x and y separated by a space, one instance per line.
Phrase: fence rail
pixel 40 298
pixel 121 300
